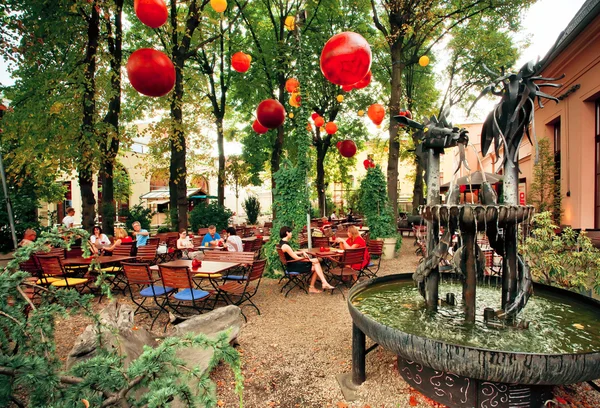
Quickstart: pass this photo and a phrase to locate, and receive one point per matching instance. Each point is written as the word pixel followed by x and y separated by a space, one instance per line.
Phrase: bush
pixel 162 229
pixel 24 206
pixel 137 213
pixel 252 207
pixel 204 215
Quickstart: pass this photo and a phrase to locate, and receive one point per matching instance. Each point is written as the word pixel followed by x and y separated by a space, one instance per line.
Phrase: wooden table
pixel 333 255
pixel 102 260
pixel 208 267
pixel 265 238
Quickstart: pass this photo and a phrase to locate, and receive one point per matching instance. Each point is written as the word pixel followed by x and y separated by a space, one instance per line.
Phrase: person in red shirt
pixel 355 241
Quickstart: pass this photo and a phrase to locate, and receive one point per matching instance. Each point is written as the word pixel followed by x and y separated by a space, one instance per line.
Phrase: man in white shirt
pixel 333 216
pixel 69 220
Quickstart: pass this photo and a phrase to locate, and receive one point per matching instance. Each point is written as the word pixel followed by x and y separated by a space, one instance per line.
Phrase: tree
pixel 238 175
pixel 411 29
pixel 543 191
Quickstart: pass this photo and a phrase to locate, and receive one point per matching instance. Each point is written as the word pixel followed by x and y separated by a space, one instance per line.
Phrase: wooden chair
pixel 343 272
pixel 240 292
pixel 55 274
pixel 153 241
pixel 257 245
pixel 147 253
pixel 376 251
pixel 246 259
pixel 202 231
pixel 295 279
pixel 186 295
pixel 248 245
pixel 74 252
pixel 140 275
pixel 197 240
pixel 318 242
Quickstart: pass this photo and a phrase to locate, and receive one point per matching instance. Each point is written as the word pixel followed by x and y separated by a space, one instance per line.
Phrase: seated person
pixel 234 242
pixel 99 240
pixel 355 241
pixel 28 237
pixel 349 215
pixel 303 263
pixel 141 235
pixel 185 244
pixel 212 238
pixel 120 237
pixel 69 220
pixel 333 217
pixel 326 228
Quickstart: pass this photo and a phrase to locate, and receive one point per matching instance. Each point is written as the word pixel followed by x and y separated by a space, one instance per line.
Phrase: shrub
pixel 162 229
pixel 252 207
pixel 204 215
pixel 137 213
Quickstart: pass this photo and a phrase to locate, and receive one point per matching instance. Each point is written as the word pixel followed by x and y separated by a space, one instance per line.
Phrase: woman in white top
pixel 99 240
pixel 234 243
pixel 184 244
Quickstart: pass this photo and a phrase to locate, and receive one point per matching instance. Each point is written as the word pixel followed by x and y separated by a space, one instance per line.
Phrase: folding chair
pixel 343 271
pixel 257 245
pixel 248 245
pixel 55 274
pixel 139 274
pixel 180 279
pixel 295 279
pixel 153 241
pixel 147 253
pixel 239 292
pixel 318 242
pixel 376 251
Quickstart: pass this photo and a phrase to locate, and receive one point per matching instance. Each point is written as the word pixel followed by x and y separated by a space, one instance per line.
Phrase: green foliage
pixel 568 260
pixel 204 215
pixel 544 193
pixel 290 206
pixel 252 207
pixel 374 205
pixel 162 229
pixel 122 184
pixel 24 205
pixel 138 213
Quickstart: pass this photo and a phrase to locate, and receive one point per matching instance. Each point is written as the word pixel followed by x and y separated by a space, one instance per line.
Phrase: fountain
pixel 484 348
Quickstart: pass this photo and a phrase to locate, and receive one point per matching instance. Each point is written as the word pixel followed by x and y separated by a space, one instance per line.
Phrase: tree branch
pixel 378 24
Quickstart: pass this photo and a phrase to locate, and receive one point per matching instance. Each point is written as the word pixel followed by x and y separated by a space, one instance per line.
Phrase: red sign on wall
pixel 521 197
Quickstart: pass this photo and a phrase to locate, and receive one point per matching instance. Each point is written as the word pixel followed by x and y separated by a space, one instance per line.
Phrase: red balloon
pixel 314 116
pixel 240 62
pixel 153 13
pixel 367 164
pixel 270 113
pixel 347 148
pixel 292 85
pixel 346 58
pixel 363 83
pixel 347 88
pixel 319 121
pixel 376 113
pixel 338 144
pixel 151 72
pixel 258 128
pixel 331 128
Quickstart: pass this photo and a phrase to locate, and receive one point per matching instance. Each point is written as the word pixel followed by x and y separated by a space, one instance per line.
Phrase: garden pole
pixel 11 219
pixel 308 230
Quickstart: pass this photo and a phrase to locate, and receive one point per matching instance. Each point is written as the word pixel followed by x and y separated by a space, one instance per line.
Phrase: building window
pixel 597 186
pixel 557 151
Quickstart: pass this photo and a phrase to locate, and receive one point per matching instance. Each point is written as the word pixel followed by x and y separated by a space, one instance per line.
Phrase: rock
pixel 120 333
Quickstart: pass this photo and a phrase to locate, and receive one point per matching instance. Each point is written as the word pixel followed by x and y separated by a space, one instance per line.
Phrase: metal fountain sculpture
pixel 467 375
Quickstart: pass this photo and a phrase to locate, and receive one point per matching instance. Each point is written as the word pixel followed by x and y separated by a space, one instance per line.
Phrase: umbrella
pixel 475 179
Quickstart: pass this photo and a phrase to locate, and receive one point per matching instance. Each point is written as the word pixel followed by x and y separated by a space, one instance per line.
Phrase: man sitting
pixel 212 238
pixel 141 235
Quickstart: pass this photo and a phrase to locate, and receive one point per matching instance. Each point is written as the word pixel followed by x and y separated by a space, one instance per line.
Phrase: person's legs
pixel 318 271
pixel 313 280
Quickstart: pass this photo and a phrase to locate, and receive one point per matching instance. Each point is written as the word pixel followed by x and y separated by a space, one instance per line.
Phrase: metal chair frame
pixel 239 292
pixel 295 279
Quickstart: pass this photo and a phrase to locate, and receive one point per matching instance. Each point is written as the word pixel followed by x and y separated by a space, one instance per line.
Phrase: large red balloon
pixel 153 13
pixel 331 128
pixel 363 83
pixel 319 121
pixel 240 62
pixel 151 72
pixel 270 113
pixel 292 85
pixel 258 128
pixel 376 113
pixel 346 58
pixel 347 148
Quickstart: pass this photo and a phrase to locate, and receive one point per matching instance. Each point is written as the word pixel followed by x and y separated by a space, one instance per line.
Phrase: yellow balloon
pixel 291 115
pixel 218 5
pixel 361 112
pixel 340 98
pixel 424 61
pixel 294 100
pixel 290 23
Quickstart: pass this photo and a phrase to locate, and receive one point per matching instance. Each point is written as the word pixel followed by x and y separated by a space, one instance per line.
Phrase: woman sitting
pixel 300 262
pixel 234 242
pixel 121 237
pixel 184 244
pixel 355 241
pixel 99 241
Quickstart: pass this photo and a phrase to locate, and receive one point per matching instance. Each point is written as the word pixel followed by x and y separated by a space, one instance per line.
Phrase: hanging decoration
pixel 346 58
pixel 347 148
pixel 319 121
pixel 369 163
pixel 314 115
pixel 347 88
pixel 376 113
pixel 363 83
pixel 292 85
pixel 291 115
pixel 258 128
pixel 240 61
pixel 290 23
pixel 361 112
pixel 340 98
pixel 218 5
pixel 308 127
pixel 150 72
pixel 294 100
pixel 424 61
pixel 270 113
pixel 153 13
pixel 338 144
pixel 331 128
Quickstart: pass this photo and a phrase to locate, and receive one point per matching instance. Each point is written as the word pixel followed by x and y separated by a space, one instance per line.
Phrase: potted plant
pixel 374 205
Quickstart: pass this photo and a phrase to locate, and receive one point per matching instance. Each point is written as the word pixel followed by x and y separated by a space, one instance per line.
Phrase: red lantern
pixel 338 144
pixel 331 128
pixel 292 85
pixel 363 83
pixel 153 13
pixel 347 148
pixel 347 88
pixel 368 163
pixel 319 121
pixel 151 72
pixel 258 128
pixel 270 113
pixel 240 62
pixel 196 263
pixel 314 116
pixel 376 113
pixel 346 58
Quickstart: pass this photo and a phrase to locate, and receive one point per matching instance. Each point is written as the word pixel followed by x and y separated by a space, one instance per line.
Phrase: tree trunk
pixel 221 174
pixel 87 128
pixel 321 153
pixel 112 119
pixel 394 108
pixel 418 196
pixel 178 172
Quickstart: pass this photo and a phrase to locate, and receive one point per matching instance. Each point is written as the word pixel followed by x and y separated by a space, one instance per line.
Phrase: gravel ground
pixel 293 351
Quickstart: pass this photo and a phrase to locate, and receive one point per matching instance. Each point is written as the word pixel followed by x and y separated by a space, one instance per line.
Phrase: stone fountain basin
pixel 478 363
pixel 483 214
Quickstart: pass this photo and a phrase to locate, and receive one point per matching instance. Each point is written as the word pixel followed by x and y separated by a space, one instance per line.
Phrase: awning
pixel 203 196
pixel 163 194
pixel 159 202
